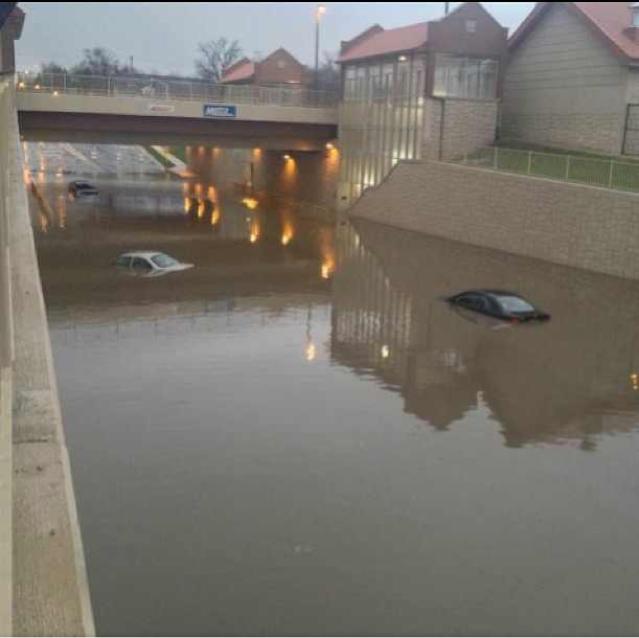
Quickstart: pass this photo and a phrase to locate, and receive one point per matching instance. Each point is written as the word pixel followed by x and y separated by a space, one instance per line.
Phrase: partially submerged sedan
pixel 499 304
pixel 149 264
pixel 82 188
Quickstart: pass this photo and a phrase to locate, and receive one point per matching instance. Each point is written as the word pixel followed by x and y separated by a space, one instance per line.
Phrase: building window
pixel 471 26
pixel 471 78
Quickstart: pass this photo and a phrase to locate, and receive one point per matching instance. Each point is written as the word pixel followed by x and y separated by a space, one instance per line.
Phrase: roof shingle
pixel 413 36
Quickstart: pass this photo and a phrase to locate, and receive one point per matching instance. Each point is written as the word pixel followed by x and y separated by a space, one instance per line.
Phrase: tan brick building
pixel 573 78
pixel 280 68
pixel 428 90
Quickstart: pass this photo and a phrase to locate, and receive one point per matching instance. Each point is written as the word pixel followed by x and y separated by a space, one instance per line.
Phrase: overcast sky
pixel 163 36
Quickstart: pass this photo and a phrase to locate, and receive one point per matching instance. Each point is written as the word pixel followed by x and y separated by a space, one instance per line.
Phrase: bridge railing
pixel 160 89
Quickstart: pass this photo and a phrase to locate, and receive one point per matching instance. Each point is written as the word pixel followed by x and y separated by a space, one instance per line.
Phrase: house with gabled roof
pixel 572 81
pixel 424 91
pixel 279 68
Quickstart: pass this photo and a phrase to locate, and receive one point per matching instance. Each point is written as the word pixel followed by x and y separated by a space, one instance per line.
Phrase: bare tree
pixel 215 56
pixel 328 74
pixel 97 61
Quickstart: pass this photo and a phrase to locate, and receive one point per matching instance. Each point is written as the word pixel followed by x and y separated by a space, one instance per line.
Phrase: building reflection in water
pixel 567 381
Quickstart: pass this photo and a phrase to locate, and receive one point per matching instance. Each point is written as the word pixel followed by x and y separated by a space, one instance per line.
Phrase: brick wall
pixel 280 68
pixel 599 132
pixel 569 224
pixel 468 125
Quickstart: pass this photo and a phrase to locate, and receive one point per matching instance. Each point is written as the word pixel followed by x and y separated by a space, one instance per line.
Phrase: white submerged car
pixel 149 264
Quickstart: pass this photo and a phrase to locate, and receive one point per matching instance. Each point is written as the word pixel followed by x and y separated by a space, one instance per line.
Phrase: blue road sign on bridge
pixel 227 111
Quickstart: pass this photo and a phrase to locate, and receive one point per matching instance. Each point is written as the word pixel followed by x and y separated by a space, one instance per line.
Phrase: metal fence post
pixel 612 167
pixel 529 161
pixel 496 157
pixel 568 168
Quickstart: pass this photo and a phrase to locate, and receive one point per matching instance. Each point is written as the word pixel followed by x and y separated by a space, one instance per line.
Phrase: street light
pixel 320 10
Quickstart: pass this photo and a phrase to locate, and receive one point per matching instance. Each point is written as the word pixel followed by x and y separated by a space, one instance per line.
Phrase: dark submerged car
pixel 82 187
pixel 499 304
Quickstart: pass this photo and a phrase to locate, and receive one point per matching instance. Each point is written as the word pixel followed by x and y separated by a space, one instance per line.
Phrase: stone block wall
pixel 564 223
pixel 467 126
pixel 594 132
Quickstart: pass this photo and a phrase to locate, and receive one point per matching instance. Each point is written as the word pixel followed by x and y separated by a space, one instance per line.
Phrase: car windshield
pixel 163 261
pixel 82 185
pixel 515 304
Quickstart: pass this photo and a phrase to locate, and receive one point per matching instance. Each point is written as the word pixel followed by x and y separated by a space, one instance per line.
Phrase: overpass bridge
pixel 153 110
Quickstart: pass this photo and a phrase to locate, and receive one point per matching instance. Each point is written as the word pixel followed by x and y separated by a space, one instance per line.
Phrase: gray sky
pixel 163 36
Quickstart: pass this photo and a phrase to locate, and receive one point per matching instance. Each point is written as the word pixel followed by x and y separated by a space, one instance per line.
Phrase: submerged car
pixel 499 304
pixel 147 263
pixel 79 188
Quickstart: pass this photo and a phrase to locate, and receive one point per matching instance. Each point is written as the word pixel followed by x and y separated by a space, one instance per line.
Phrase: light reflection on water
pixel 300 437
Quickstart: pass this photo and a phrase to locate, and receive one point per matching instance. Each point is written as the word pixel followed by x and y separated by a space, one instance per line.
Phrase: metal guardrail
pixel 6 314
pixel 605 173
pixel 160 89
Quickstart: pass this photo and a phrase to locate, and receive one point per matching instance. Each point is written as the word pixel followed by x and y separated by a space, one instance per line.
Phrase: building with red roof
pixel 573 77
pixel 426 90
pixel 279 68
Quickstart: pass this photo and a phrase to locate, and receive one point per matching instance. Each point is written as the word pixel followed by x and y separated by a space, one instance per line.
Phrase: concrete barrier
pixel 43 582
pixel 6 372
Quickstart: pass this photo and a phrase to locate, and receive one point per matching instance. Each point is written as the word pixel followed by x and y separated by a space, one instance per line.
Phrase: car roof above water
pixel 142 253
pixel 491 292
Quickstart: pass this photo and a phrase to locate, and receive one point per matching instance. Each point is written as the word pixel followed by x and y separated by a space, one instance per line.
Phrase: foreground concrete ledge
pixel 50 585
pixel 6 497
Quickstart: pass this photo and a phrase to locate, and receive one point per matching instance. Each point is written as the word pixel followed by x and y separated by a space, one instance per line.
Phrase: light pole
pixel 320 10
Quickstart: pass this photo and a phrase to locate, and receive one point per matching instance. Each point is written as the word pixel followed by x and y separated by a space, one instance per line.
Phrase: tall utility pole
pixel 446 7
pixel 320 10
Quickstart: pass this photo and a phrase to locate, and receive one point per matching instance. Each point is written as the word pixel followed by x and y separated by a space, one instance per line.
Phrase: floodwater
pixel 298 436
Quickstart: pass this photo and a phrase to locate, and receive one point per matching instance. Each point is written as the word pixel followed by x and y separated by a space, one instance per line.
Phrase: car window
pixel 123 261
pixel 470 300
pixel 515 304
pixel 141 264
pixel 163 261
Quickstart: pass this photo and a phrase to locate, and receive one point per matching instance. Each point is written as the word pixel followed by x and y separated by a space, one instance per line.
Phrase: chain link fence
pixel 156 88
pixel 606 173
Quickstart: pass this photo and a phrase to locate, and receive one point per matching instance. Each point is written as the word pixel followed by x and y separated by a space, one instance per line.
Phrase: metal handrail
pixel 163 89
pixel 595 171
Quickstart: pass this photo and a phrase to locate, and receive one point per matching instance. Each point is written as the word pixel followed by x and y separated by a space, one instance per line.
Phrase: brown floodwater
pixel 297 436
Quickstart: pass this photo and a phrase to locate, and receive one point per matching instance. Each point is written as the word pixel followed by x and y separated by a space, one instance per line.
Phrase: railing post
pixel 529 162
pixel 612 167
pixel 567 167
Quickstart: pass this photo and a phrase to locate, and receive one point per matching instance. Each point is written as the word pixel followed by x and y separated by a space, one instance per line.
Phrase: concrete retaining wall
pixel 571 224
pixel 46 575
